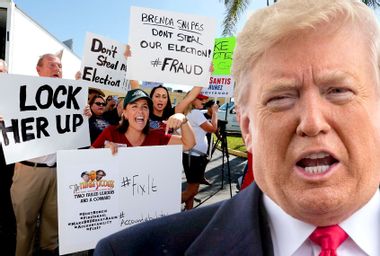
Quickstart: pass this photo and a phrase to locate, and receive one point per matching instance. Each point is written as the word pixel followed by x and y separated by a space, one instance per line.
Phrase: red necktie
pixel 328 238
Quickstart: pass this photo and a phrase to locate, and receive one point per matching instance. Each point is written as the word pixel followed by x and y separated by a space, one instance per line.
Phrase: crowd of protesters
pixel 29 188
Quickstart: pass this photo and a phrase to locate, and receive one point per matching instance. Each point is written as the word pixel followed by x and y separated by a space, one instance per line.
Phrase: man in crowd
pixel 308 89
pixel 7 219
pixel 34 188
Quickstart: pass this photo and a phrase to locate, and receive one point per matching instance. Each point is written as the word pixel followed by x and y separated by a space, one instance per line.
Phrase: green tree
pixel 235 8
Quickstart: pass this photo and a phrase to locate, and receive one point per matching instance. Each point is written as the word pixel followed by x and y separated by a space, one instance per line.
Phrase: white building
pixel 23 41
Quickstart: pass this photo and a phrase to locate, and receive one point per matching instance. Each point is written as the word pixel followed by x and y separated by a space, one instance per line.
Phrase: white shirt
pixel 49 160
pixel 290 235
pixel 196 118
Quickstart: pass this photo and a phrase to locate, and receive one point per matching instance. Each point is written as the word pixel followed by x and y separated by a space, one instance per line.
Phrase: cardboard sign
pixel 104 64
pixel 222 58
pixel 220 86
pixel 41 115
pixel 170 47
pixel 111 192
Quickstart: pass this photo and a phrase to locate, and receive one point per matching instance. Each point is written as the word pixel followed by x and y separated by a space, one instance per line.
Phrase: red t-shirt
pixel 111 134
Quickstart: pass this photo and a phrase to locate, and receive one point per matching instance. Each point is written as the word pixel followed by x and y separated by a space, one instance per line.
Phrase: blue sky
pixel 67 19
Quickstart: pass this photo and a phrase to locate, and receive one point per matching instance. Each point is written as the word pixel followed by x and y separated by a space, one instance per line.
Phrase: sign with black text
pixel 41 115
pixel 111 192
pixel 220 87
pixel 104 64
pixel 170 47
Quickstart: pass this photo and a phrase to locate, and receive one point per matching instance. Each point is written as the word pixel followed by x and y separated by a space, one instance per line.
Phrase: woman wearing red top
pixel 134 129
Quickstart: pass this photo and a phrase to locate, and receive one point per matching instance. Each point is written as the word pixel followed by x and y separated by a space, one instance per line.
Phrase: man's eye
pixel 281 102
pixel 339 95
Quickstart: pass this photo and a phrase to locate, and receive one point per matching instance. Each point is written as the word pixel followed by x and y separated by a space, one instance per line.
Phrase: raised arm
pixel 128 53
pixel 181 106
pixel 187 138
pixel 212 126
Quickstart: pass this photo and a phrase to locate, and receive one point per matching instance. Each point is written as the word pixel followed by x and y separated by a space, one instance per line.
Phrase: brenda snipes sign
pixel 104 63
pixel 41 115
pixel 170 47
pixel 108 193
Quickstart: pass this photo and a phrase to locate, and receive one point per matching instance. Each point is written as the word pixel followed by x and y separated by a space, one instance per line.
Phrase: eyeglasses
pixel 100 104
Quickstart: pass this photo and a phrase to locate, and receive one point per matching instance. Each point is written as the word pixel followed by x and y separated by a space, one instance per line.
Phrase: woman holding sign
pixel 195 160
pixel 134 129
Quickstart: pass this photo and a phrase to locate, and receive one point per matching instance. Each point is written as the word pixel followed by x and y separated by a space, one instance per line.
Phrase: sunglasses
pixel 100 104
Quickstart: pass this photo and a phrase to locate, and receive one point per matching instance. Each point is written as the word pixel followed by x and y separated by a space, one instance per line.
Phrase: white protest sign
pixel 133 190
pixel 41 115
pixel 104 63
pixel 220 86
pixel 170 47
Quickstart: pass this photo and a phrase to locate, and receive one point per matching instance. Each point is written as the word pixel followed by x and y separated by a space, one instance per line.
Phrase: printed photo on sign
pixel 220 87
pixel 170 47
pixel 41 115
pixel 100 193
pixel 222 57
pixel 104 64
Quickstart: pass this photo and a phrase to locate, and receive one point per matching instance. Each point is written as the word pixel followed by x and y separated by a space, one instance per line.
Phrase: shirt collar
pixel 288 233
pixel 363 226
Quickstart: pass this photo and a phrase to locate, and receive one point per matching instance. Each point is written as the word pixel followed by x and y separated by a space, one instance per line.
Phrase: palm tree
pixel 234 8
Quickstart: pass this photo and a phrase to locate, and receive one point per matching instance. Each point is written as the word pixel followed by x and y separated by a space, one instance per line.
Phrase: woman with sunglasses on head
pixel 97 122
pixel 195 160
pixel 134 129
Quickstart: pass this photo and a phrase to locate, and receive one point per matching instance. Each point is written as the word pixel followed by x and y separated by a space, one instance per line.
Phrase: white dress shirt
pixel 290 235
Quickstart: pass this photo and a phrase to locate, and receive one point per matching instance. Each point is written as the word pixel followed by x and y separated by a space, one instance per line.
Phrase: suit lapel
pixel 238 227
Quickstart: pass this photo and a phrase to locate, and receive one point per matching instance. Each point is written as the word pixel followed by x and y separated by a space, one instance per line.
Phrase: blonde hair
pixel 287 18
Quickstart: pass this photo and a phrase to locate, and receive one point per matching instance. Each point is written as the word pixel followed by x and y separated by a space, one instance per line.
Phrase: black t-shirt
pixel 155 122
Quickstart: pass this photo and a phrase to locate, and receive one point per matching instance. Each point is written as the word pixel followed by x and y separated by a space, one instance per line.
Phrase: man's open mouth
pixel 317 163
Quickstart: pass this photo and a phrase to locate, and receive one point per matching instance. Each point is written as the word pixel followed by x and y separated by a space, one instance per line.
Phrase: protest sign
pixel 220 86
pixel 222 57
pixel 170 47
pixel 127 190
pixel 104 64
pixel 41 116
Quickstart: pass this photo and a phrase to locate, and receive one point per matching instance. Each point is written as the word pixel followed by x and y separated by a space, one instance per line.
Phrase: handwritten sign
pixel 99 197
pixel 170 47
pixel 220 86
pixel 104 64
pixel 222 58
pixel 41 116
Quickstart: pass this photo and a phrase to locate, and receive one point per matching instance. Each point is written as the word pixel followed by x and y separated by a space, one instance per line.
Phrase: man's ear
pixel 245 124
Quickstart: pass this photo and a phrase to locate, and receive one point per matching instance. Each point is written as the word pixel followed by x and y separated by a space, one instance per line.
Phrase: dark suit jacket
pixel 237 226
